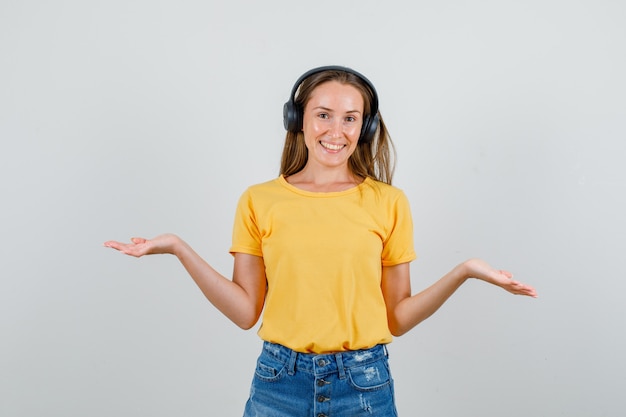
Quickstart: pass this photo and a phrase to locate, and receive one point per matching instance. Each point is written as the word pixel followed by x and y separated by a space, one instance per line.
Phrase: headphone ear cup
pixel 369 129
pixel 291 119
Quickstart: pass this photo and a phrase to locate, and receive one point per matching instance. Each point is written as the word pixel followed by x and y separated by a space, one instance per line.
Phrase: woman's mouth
pixel 332 146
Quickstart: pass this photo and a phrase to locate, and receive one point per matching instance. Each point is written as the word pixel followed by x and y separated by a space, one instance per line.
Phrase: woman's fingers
pixel 133 249
pixel 518 288
pixel 113 244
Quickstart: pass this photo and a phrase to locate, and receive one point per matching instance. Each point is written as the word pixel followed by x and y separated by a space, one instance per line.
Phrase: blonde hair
pixel 374 158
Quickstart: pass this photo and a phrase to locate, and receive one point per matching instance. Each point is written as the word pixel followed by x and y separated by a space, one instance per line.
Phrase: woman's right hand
pixel 139 246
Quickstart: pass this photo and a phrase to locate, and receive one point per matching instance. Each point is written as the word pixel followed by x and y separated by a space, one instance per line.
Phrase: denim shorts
pixel 344 384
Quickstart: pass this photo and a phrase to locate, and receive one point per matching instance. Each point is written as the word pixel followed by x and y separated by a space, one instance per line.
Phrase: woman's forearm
pixel 406 311
pixel 241 299
pixel 239 304
pixel 411 311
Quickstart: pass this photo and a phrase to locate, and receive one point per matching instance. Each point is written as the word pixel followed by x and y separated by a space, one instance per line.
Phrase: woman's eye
pixel 350 119
pixel 323 116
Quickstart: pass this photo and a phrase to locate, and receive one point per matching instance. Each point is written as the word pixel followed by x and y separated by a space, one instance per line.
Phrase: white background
pixel 136 117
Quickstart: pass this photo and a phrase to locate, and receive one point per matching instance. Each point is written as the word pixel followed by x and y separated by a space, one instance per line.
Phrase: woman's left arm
pixel 405 311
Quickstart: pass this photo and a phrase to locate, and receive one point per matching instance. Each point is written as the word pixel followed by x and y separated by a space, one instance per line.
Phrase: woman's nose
pixel 336 128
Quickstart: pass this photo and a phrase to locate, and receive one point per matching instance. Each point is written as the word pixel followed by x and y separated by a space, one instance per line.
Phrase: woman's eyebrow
pixel 331 110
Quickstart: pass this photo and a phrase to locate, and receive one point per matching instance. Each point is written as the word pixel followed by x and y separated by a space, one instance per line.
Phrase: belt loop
pixel 291 366
pixel 340 368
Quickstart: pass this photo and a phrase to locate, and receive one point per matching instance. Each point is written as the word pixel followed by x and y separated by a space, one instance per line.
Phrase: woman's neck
pixel 327 180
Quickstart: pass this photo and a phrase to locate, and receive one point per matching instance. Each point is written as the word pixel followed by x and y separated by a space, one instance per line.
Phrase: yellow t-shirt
pixel 323 255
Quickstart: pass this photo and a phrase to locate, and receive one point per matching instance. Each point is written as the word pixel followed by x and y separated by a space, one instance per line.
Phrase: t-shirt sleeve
pixel 246 237
pixel 398 246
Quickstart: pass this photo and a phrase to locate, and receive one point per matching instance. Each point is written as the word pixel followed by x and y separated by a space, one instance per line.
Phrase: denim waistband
pixel 324 363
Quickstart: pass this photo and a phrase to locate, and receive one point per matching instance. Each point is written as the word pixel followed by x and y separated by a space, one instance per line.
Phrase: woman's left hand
pixel 479 269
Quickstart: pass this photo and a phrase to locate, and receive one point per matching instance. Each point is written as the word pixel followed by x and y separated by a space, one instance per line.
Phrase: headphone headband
pixel 292 115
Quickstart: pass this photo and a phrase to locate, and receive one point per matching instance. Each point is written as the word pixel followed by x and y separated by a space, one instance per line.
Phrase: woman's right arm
pixel 241 300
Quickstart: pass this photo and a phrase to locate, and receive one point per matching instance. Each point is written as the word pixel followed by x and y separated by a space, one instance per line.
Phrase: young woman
pixel 324 251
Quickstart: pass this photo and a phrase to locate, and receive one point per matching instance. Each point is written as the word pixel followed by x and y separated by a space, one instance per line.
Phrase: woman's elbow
pixel 245 325
pixel 396 328
pixel 397 333
pixel 401 323
pixel 247 320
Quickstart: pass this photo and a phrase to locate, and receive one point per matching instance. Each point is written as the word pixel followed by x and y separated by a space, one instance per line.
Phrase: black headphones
pixel 292 115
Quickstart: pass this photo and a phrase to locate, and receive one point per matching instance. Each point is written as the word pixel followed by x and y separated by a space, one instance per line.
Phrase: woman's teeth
pixel 331 146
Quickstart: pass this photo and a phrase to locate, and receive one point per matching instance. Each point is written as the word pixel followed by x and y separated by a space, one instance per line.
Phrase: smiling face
pixel 331 124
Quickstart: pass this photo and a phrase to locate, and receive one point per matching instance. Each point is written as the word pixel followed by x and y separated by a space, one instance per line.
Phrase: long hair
pixel 374 159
